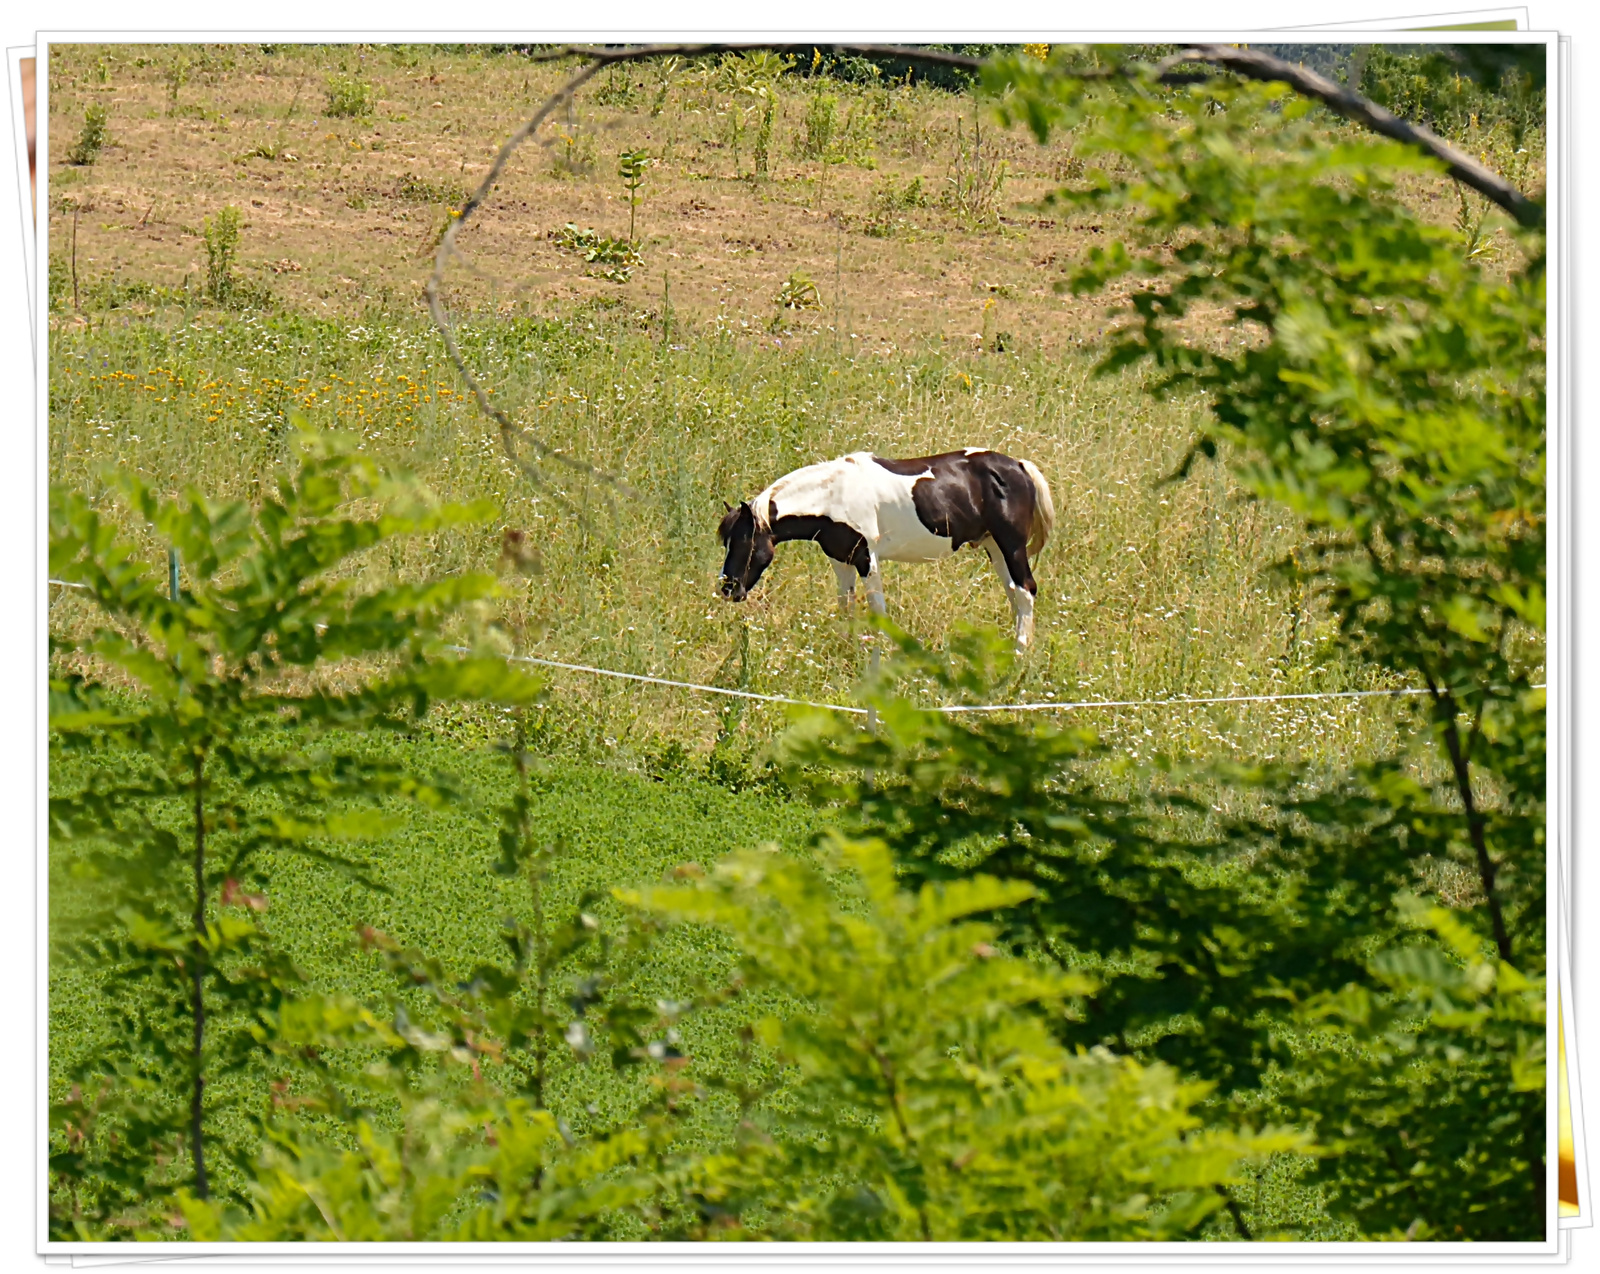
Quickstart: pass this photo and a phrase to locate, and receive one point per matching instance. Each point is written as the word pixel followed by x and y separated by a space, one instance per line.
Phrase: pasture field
pixel 938 324
pixel 1146 590
pixel 853 269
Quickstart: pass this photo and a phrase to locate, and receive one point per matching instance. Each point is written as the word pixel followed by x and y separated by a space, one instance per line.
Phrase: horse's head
pixel 749 544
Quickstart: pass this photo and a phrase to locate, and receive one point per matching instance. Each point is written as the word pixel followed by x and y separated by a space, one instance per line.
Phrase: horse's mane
pixel 731 518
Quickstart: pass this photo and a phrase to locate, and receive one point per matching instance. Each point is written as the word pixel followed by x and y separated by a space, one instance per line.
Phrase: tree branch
pixel 1241 1227
pixel 604 57
pixel 1256 65
pixel 1250 63
pixel 1444 708
pixel 510 432
pixel 197 1003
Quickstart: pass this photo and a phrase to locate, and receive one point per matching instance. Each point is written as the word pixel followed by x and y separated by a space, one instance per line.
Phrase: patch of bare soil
pixel 918 223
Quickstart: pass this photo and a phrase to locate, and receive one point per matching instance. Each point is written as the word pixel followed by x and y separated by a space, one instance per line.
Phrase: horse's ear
pixel 726 507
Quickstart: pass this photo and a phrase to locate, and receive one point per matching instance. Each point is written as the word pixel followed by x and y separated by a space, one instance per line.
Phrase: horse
pixel 865 510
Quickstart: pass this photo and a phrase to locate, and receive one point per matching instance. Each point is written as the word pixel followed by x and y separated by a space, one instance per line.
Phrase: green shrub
pixel 822 113
pixel 214 755
pixel 929 1101
pixel 93 137
pixel 349 98
pixel 1397 409
pixel 221 235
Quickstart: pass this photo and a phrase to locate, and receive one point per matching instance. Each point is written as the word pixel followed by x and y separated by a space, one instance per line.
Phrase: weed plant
pixel 632 167
pixel 349 98
pixel 821 119
pixel 93 137
pixel 221 234
pixel 612 259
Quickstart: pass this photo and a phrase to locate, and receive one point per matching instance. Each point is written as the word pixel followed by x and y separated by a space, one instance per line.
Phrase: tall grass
pixel 1146 589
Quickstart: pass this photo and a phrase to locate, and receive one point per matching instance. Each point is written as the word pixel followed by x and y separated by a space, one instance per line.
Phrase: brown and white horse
pixel 864 510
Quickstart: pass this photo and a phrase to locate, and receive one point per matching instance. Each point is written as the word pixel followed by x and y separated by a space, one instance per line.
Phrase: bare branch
pixel 1256 65
pixel 930 57
pixel 510 431
pixel 511 434
pixel 1250 63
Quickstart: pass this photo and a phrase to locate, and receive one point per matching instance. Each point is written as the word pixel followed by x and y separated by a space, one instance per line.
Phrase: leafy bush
pixel 1396 407
pixel 349 98
pixel 1278 958
pixel 221 235
pixel 930 1101
pixel 1456 1043
pixel 210 743
pixel 93 137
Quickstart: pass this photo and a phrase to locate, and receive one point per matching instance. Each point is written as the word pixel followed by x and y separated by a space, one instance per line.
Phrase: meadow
pixel 936 327
pixel 823 264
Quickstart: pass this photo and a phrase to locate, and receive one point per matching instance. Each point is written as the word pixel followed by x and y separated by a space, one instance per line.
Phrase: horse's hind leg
pixel 1017 592
pixel 845 573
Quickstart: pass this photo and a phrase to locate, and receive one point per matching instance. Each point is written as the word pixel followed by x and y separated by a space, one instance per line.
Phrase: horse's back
pixel 916 509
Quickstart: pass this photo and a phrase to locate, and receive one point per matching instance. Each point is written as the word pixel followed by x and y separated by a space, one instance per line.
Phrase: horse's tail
pixel 1044 510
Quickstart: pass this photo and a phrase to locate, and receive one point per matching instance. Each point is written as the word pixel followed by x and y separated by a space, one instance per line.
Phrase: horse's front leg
pixel 875 601
pixel 846 575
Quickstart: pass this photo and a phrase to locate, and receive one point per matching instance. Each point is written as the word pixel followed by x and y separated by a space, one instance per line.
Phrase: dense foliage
pixel 1461 89
pixel 1389 389
pixel 221 739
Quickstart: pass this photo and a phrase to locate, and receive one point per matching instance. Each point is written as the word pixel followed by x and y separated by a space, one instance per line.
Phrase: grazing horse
pixel 864 510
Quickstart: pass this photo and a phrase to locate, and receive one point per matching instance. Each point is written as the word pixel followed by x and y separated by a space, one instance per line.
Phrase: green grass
pixel 614 829
pixel 1146 589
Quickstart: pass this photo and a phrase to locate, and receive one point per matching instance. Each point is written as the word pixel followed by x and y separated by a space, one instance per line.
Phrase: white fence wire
pixel 1045 706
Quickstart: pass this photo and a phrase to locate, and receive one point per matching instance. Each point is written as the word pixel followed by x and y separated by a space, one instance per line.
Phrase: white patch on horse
pixel 866 497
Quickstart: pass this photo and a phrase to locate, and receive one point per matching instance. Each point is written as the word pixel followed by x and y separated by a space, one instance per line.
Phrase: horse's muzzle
pixel 733 590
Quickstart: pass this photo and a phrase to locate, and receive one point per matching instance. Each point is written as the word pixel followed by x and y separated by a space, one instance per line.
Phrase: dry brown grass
pixel 338 211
